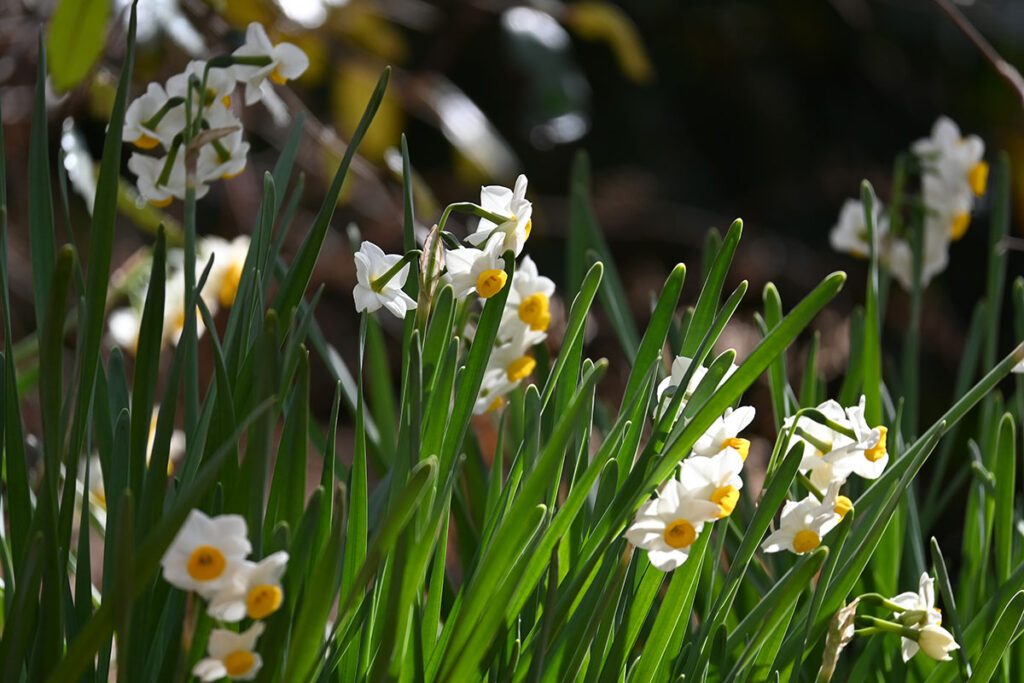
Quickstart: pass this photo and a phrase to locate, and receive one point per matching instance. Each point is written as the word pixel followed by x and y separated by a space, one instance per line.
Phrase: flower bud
pixel 936 642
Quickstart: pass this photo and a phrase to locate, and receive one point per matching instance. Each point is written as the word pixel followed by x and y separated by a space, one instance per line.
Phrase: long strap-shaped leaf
pixel 298 275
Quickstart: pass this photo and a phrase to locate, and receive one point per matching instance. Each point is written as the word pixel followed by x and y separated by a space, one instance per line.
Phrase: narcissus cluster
pixel 208 557
pixel 707 487
pixel 476 272
pixel 191 116
pixel 952 174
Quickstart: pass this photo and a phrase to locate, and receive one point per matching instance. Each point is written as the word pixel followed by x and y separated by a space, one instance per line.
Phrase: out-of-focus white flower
pixel 670 384
pixel 206 553
pixel 954 175
pixel 715 478
pixel 226 272
pixel 850 233
pixel 937 642
pixel 723 433
pixel 123 328
pixel 287 62
pixel 529 298
pixel 923 602
pixel 371 264
pixel 141 130
pixel 1018 368
pixel 232 655
pixel 934 255
pixel 802 526
pixel 505 202
pixel 482 270
pixel 667 526
pixel 254 590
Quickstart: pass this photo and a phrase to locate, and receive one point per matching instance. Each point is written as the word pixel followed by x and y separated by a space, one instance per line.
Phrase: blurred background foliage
pixel 693 112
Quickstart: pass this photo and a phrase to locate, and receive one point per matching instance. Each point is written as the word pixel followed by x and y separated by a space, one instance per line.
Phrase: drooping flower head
pixel 920 603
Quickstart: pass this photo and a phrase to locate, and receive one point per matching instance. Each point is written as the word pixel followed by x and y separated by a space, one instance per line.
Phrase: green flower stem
pixel 471 208
pixel 222 153
pixel 822 446
pixel 878 599
pixel 165 174
pixel 822 419
pixel 806 483
pixel 889 626
pixel 154 121
pixel 377 284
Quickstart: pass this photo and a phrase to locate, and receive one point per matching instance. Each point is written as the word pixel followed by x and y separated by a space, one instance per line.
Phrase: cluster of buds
pixel 953 175
pixel 474 271
pixel 707 487
pixel 208 556
pixel 219 291
pixel 837 442
pixel 190 123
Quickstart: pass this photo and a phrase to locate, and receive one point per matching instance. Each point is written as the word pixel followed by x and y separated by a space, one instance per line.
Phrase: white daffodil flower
pixel 232 655
pixel 1018 368
pixel 254 590
pixel 937 642
pixel 667 526
pixel 226 273
pixel 287 62
pixel 482 270
pixel 371 264
pixel 866 455
pixel 142 110
pixel 529 298
pixel 715 478
pixel 680 366
pixel 850 233
pixel 802 526
pixel 922 601
pixel 206 553
pixel 220 84
pixel 724 433
pixel 227 156
pixel 830 455
pixel 505 202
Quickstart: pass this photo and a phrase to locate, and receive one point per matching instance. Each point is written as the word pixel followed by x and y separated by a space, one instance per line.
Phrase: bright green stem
pixel 811 488
pixel 377 284
pixel 165 173
pixel 879 599
pixel 822 446
pixel 471 208
pixel 154 121
pixel 889 626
